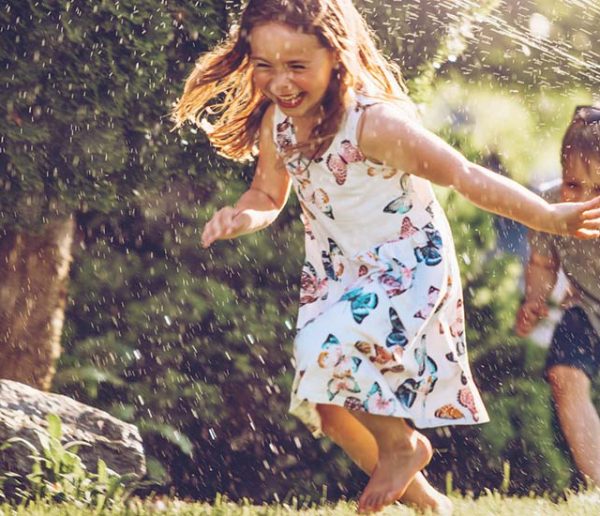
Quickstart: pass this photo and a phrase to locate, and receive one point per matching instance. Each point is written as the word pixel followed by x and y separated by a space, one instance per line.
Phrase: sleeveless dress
pixel 381 323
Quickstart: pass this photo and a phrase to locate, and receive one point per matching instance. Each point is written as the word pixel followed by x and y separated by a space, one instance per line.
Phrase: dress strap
pixel 357 108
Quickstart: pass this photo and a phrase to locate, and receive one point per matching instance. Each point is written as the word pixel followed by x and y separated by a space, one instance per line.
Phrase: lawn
pixel 586 504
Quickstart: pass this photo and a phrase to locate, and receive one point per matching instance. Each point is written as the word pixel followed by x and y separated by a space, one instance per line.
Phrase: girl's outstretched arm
pixel 388 136
pixel 260 205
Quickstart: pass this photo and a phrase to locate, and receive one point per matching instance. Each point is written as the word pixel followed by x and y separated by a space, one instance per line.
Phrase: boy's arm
pixel 540 278
pixel 260 205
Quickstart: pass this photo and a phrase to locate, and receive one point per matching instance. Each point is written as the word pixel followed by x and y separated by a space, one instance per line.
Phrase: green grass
pixel 493 504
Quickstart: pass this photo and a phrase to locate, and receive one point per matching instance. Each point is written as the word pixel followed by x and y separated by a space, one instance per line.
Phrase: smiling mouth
pixel 291 101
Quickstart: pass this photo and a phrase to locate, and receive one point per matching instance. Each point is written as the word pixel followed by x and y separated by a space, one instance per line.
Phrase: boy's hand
pixel 226 223
pixel 578 219
pixel 529 315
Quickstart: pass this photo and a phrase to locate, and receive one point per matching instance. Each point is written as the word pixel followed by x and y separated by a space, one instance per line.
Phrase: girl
pixel 380 347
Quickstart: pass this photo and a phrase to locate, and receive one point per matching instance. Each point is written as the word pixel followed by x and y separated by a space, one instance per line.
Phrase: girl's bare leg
pixel 403 452
pixel 360 445
pixel 578 418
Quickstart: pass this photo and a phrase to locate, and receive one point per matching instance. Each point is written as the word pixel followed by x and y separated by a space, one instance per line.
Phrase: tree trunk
pixel 34 272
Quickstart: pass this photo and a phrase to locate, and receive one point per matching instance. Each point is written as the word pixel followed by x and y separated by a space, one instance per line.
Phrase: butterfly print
pixel 321 200
pixel 397 337
pixel 360 304
pixel 332 261
pixel 354 403
pixel 376 403
pixel 432 295
pixel 393 287
pixel 407 392
pixel 396 284
pixel 398 368
pixel 300 376
pixel 426 364
pixel 341 384
pixel 449 412
pixel 364 347
pixel 445 298
pixel 430 252
pixel 332 352
pixel 386 174
pixel 451 357
pixel 283 140
pixel 466 399
pixel 402 204
pixel 343 377
pixel 461 347
pixel 311 287
pixel 338 163
pixel 284 126
pixel 407 229
pixel 457 328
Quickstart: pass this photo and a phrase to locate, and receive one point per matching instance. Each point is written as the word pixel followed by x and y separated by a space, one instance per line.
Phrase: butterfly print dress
pixel 380 325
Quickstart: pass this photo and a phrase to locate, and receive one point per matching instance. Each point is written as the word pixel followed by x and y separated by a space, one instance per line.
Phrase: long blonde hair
pixel 221 88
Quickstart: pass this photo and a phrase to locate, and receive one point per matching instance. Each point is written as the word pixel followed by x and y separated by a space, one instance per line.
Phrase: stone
pixel 24 410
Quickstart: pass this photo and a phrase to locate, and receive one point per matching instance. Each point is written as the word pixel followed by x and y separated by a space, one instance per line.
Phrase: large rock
pixel 23 410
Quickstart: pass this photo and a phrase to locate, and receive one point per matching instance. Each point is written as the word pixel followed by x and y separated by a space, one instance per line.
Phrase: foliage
pixel 86 88
pixel 59 475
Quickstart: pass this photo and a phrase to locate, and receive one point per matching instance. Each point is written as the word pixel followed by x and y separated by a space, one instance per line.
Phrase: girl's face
pixel 291 68
pixel 581 179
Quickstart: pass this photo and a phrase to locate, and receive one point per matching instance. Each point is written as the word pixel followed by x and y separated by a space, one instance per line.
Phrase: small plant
pixel 59 475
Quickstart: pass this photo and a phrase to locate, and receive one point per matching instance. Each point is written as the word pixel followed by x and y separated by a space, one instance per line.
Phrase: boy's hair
pixel 582 138
pixel 221 84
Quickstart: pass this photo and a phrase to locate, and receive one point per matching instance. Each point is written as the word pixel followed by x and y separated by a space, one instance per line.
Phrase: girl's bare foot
pixel 422 496
pixel 395 470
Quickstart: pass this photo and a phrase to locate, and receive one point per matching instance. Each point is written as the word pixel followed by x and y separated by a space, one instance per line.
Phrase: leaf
pixel 170 433
pixel 54 426
pixel 20 440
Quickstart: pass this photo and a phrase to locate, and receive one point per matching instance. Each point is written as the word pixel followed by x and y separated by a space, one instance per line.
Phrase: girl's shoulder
pixel 375 111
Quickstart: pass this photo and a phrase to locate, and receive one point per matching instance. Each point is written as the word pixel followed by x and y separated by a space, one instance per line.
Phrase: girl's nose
pixel 281 84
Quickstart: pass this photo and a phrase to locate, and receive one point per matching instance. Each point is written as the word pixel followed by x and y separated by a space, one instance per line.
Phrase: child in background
pixel 380 347
pixel 574 355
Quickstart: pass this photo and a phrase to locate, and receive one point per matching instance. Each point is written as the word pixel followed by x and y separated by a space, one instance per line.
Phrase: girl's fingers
pixel 222 225
pixel 587 234
pixel 591 223
pixel 591 213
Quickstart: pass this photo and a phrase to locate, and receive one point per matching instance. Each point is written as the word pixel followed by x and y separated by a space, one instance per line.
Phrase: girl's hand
pixel 227 223
pixel 578 219
pixel 530 313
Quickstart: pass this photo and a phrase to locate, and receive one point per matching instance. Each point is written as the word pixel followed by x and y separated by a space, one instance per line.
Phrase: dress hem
pixel 315 427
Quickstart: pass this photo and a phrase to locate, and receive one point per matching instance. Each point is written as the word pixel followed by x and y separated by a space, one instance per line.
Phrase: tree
pixel 85 88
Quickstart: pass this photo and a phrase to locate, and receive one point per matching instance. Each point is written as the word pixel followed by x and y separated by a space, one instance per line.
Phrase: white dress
pixel 381 324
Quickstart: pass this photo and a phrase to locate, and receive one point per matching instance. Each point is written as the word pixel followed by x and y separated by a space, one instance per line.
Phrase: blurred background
pixel 194 346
